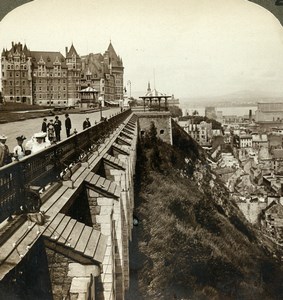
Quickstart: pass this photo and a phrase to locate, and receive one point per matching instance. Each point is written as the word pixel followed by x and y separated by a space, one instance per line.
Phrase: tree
pixel 195 113
pixel 175 111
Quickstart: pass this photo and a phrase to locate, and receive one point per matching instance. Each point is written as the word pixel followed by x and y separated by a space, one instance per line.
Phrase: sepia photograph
pixel 141 150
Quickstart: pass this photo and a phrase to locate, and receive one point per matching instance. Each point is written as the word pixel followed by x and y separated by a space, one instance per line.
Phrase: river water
pixel 226 111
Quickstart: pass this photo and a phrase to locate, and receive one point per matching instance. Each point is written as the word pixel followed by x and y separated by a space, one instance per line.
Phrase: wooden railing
pixel 51 164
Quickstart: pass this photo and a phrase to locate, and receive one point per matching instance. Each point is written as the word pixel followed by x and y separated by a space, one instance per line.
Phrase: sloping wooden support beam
pixel 123 141
pixel 120 149
pixel 114 162
pixel 75 240
pixel 103 186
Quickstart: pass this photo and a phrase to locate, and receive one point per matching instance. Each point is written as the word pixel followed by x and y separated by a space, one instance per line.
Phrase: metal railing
pixel 51 164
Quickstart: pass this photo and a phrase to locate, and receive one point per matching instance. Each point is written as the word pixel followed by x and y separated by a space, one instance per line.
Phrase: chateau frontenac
pixel 52 79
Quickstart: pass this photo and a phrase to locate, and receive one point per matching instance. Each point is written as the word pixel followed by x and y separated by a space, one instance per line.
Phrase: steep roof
pixel 111 54
pixel 48 57
pixel 154 93
pixel 17 47
pixel 93 64
pixel 71 52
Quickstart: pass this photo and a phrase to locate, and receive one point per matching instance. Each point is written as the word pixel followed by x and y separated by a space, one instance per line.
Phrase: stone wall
pixel 58 270
pixel 162 122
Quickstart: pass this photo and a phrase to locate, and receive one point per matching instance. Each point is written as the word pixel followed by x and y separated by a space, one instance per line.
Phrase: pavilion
pixel 89 97
pixel 152 97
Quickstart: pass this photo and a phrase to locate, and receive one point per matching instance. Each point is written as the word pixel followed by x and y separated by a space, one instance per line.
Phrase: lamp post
pixel 100 99
pixel 130 84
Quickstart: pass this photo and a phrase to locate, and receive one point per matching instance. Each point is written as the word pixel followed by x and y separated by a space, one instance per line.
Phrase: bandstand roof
pixel 89 89
pixel 154 94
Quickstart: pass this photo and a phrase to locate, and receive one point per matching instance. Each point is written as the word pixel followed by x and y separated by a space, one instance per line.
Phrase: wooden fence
pixel 50 164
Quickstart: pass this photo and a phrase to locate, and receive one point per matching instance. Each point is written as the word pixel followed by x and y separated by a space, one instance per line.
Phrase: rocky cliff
pixel 194 243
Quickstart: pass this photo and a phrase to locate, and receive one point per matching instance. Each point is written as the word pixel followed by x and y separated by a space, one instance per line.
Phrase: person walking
pixel 19 150
pixel 51 131
pixel 5 156
pixel 68 125
pixel 57 127
pixel 86 123
pixel 44 125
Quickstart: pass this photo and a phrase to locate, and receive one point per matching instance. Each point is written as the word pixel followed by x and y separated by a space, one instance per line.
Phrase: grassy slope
pixel 196 244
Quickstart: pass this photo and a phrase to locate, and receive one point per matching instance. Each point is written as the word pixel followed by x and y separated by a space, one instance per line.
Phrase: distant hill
pixel 240 98
pixel 194 242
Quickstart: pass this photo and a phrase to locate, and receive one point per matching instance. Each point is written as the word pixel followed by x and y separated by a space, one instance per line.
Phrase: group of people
pixel 50 133
pixel 53 129
pixel 36 143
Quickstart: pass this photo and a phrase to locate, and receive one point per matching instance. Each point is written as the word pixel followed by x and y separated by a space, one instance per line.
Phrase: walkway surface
pixel 29 127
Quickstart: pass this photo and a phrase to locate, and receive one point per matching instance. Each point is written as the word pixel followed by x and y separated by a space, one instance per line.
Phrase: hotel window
pixel 11 82
pixel 8 67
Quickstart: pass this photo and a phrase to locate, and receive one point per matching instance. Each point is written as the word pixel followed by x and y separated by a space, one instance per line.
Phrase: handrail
pixel 46 166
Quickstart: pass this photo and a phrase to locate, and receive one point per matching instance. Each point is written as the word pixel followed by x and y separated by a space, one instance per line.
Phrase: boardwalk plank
pixel 83 240
pixel 53 225
pixel 106 184
pixel 57 233
pixel 66 232
pixel 75 235
pixel 100 182
pixel 101 248
pixel 95 179
pixel 92 243
pixel 112 188
pixel 89 176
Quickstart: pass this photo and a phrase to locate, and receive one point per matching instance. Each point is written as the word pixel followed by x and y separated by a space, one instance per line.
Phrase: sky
pixel 189 48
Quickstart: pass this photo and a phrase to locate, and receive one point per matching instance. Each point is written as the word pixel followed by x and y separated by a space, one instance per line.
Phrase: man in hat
pixel 39 143
pixel 68 125
pixel 5 157
pixel 19 150
pixel 44 125
pixel 86 123
pixel 57 127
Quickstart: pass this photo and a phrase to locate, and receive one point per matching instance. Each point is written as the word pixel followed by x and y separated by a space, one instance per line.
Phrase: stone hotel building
pixel 52 79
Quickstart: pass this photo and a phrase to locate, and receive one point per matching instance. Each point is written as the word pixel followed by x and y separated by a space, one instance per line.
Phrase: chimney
pixel 66 50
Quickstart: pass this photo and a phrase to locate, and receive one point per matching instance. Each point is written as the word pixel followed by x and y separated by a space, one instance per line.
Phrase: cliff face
pixel 194 242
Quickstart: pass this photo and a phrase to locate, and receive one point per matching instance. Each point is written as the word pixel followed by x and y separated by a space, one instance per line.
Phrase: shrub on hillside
pixel 196 243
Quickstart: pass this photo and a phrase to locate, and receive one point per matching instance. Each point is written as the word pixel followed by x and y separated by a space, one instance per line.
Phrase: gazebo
pixel 89 97
pixel 152 97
